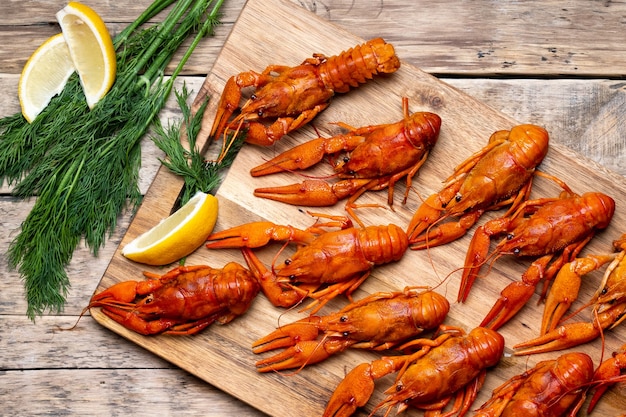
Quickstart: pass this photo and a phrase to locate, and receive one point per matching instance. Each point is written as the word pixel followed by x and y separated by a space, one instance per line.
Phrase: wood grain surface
pixel 467 124
pixel 559 65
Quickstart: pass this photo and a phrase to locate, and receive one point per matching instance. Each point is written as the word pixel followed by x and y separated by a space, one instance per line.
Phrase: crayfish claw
pixel 313 193
pixel 512 299
pixel 289 335
pixel 566 287
pixel 250 235
pixel 563 337
pixel 229 102
pixel 300 157
pixel 353 391
pixel 306 352
pixel 123 292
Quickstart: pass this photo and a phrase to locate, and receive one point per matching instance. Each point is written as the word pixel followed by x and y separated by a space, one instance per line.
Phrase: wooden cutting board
pixel 278 32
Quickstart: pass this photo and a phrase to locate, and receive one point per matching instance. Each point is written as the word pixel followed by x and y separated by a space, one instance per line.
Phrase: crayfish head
pixel 158 305
pixel 302 266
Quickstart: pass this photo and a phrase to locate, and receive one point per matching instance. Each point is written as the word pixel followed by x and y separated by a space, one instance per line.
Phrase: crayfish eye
pixel 149 299
pixel 604 290
pixel 343 319
pixel 253 97
pixel 399 387
pixel 458 197
pixel 288 261
pixel 346 334
pixel 510 236
pixel 260 113
pixel 516 251
pixel 346 159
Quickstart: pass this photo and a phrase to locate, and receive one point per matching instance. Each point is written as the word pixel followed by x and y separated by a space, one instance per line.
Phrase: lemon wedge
pixel 91 49
pixel 176 236
pixel 44 76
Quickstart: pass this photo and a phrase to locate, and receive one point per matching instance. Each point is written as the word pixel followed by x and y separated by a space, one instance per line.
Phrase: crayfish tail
pixel 356 65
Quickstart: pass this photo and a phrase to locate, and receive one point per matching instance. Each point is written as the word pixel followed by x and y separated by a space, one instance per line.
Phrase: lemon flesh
pixel 91 49
pixel 44 76
pixel 178 235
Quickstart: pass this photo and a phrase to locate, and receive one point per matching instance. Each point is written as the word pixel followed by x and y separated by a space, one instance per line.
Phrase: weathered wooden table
pixel 560 65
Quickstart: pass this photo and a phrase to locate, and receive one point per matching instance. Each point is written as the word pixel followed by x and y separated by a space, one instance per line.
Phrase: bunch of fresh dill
pixel 83 165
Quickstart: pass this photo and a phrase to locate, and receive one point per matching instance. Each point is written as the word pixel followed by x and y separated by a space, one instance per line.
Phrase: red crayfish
pixel 378 156
pixel 377 322
pixel 551 389
pixel 452 365
pixel 326 263
pixel 546 228
pixel 183 301
pixel 609 303
pixel 287 98
pixel 498 175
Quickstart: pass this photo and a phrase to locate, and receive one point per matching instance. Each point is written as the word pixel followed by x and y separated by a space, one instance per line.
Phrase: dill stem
pixel 155 8
pixel 155 47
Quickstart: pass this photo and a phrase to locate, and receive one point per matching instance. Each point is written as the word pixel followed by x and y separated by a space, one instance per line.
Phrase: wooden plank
pixel 64 342
pixel 114 392
pixel 227 347
pixel 447 37
pixel 42 12
pixel 24 29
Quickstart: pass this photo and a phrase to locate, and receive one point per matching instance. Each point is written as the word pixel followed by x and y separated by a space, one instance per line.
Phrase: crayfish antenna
pixel 228 143
pixel 428 248
pixel 82 313
pixel 267 367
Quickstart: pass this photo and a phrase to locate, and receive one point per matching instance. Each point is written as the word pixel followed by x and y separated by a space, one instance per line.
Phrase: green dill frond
pixel 189 162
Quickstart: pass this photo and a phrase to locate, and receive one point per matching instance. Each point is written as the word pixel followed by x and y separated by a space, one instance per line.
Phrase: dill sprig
pixel 83 165
pixel 189 162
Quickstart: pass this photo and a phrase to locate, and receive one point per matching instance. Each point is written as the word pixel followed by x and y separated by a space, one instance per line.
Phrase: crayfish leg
pixel 356 388
pixel 132 321
pixel 279 294
pixel 323 296
pixel 192 327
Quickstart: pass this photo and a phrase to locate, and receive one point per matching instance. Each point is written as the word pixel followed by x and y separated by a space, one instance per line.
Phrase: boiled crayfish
pixel 500 174
pixel 378 156
pixel 548 228
pixel 377 322
pixel 287 98
pixel 183 301
pixel 454 364
pixel 609 303
pixel 553 388
pixel 326 263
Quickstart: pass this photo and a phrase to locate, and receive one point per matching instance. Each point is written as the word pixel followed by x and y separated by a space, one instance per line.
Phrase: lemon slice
pixel 176 236
pixel 45 74
pixel 91 49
